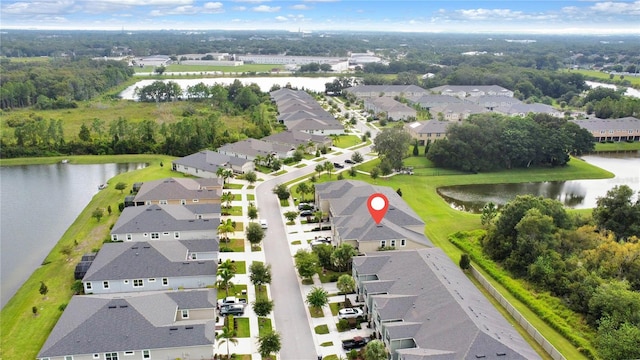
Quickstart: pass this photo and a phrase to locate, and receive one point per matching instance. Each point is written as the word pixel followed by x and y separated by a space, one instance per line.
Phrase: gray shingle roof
pixel 296 138
pixel 160 218
pixel 624 124
pixel 117 261
pixel 430 126
pixel 453 313
pixel 254 147
pixel 210 161
pixel 92 324
pixel 180 188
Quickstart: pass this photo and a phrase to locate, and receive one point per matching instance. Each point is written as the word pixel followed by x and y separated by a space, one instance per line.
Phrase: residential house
pixel 151 266
pixel 297 139
pixel 345 204
pixel 299 111
pixel 622 129
pixel 167 222
pixel 157 325
pixel 456 112
pixel 253 148
pixel 423 131
pixel 463 91
pixel 491 102
pixel 433 100
pixel 422 306
pixel 393 109
pixel 372 91
pixel 205 164
pixel 523 110
pixel 180 191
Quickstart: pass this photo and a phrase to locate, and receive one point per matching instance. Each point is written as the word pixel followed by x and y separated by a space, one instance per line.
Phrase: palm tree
pixel 227 198
pixel 225 228
pixel 225 275
pixel 375 350
pixel 268 344
pixel 226 174
pixel 346 284
pixel 258 160
pixel 227 336
pixel 318 297
pixel 328 165
pixel 303 189
pixel 319 169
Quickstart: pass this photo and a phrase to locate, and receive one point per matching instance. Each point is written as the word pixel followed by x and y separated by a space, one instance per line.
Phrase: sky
pixel 457 16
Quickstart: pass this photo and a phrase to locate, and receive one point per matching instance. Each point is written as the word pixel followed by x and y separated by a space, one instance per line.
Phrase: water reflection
pixel 38 204
pixel 577 194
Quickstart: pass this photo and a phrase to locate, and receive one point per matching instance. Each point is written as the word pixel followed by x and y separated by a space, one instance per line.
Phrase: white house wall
pixel 173 283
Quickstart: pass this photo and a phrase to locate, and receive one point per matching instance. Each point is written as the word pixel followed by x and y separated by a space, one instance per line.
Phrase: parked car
pixel 338 166
pixel 230 300
pixel 349 161
pixel 356 343
pixel 263 223
pixel 320 241
pixel 350 313
pixel 306 213
pixel 232 310
pixel 306 206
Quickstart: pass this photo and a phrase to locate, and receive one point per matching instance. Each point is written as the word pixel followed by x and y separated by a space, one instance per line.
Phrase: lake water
pixel 265 83
pixel 628 92
pixel 578 194
pixel 38 204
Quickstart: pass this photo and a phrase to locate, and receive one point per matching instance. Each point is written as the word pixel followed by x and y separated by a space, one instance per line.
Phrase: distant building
pixel 371 91
pixel 463 91
pixel 394 110
pixel 424 131
pixel 622 129
pixel 205 164
pixel 180 191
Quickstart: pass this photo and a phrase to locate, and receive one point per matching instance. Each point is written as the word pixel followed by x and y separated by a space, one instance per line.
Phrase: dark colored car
pixel 349 161
pixel 306 213
pixel 338 166
pixel 355 343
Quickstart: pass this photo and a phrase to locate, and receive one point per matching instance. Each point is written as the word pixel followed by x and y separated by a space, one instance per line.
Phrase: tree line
pixel 199 128
pixel 487 142
pixel 591 265
pixel 57 84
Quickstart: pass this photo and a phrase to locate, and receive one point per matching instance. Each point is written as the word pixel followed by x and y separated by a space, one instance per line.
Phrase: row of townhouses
pixel 149 294
pixel 416 300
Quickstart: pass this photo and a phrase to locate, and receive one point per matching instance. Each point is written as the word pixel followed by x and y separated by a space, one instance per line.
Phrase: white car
pixel 263 223
pixel 350 313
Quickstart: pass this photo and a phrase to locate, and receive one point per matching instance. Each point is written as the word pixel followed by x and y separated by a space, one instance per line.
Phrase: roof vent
pixel 188 327
pixel 480 356
pixel 146 247
pixel 185 262
pixel 134 247
pixel 501 354
pixel 124 306
pixel 173 329
pixel 112 306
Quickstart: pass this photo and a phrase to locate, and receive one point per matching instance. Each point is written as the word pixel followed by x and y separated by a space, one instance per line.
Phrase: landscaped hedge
pixel 540 308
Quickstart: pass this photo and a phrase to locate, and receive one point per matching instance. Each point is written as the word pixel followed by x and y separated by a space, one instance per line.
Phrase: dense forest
pixel 57 84
pixel 592 266
pixel 488 142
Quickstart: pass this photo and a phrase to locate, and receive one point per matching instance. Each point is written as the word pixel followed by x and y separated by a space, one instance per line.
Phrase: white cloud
pixel 615 7
pixel 239 8
pixel 300 7
pixel 281 18
pixel 265 8
pixel 38 7
pixel 484 14
pixel 144 2
pixel 213 7
pixel 252 1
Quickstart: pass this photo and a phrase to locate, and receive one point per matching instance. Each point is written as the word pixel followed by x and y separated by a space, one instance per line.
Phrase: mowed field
pixel 634 80
pixel 204 68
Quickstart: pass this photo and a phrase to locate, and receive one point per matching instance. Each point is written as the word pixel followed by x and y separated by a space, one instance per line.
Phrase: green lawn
pixel 235 245
pixel 243 327
pixel 251 197
pixel 203 68
pixel 321 329
pixel 327 343
pixel 335 307
pixel 264 326
pixel 235 290
pixel 233 211
pixel 316 312
pixel 618 146
pixel 233 186
pixel 599 75
pixel 261 292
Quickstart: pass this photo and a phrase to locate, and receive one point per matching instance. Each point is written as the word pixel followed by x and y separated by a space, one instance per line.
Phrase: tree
pixel 415 151
pixel 226 272
pixel 303 189
pixel 109 211
pixel 323 252
pixel 227 199
pixel 255 233
pixel 319 169
pixel 260 273
pixel 317 297
pixel 618 213
pixel 375 350
pixel 252 212
pixel 357 157
pixel 489 212
pixel 391 144
pixel 291 215
pixel 262 307
pixel 465 261
pixel 281 191
pixel 618 342
pixel 342 255
pixel 227 335
pixel 306 263
pixel 328 166
pixel 98 213
pixel 346 284
pixel 225 228
pixel 43 288
pixel 251 177
pixel 84 134
pixel 121 186
pixel 353 172
pixel 268 344
pixel 374 173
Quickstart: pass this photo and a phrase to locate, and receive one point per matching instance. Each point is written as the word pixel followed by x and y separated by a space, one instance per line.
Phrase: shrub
pixel 343 325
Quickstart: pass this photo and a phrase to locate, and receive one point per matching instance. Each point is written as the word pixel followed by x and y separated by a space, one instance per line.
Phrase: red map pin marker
pixel 378 205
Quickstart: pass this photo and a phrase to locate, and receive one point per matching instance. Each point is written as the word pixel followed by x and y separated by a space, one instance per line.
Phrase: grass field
pixel 599 75
pixel 205 68
pixel 618 146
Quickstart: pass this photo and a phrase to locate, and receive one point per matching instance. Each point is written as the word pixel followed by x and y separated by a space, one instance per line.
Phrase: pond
pixel 576 194
pixel 39 203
